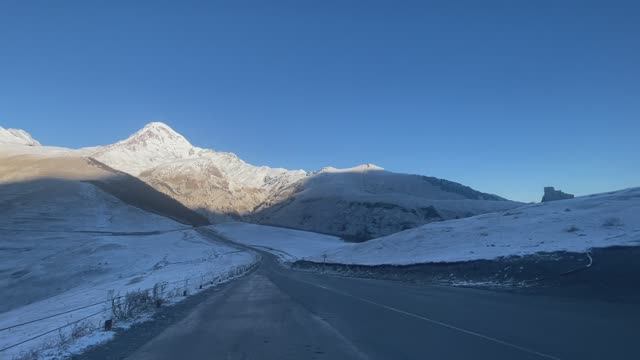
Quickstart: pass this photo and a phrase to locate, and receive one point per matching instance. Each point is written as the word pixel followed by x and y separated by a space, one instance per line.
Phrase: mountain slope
pixel 575 225
pixel 73 229
pixel 357 203
pixel 365 201
pixel 18 164
pixel 153 145
pixel 217 184
pixel 17 136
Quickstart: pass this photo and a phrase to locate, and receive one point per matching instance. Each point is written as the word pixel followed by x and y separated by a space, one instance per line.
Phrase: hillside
pixel 72 229
pixel 217 184
pixel 357 203
pixel 17 136
pixel 575 225
pixel 365 201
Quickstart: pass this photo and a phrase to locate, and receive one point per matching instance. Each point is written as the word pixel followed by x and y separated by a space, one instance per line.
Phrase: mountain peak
pixel 358 168
pixel 17 136
pixel 158 133
pixel 157 125
pixel 156 143
pixel 368 166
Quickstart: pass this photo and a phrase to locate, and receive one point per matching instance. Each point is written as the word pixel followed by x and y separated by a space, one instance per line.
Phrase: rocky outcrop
pixel 551 194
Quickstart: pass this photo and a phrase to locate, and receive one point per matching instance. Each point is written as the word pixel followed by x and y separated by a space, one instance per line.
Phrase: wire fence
pixel 198 282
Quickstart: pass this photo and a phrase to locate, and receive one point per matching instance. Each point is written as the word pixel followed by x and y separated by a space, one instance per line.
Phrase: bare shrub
pixel 158 293
pixel 131 305
pixel 63 340
pixel 82 329
pixel 28 355
pixel 612 221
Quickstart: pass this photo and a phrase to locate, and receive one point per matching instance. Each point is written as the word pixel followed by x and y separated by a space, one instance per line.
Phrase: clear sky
pixel 506 97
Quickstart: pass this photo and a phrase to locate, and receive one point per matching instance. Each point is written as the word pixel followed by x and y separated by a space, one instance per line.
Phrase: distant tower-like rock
pixel 551 194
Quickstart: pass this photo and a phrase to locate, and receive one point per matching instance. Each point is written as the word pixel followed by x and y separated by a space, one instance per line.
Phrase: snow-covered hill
pixel 66 241
pixel 575 225
pixel 17 136
pixel 365 201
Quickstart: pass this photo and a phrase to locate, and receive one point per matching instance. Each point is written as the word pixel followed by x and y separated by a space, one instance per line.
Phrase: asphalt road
pixel 276 313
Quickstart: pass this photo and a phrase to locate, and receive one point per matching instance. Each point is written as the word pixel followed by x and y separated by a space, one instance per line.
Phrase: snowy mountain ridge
pixel 153 145
pixel 17 136
pixel 158 145
pixel 359 203
pixel 357 168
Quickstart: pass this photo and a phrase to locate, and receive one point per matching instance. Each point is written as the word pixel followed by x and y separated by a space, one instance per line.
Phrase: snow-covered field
pixel 576 225
pixel 287 244
pixel 17 136
pixel 66 244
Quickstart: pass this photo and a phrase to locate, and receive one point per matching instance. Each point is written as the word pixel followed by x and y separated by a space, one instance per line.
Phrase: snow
pixel 158 145
pixel 108 263
pixel 366 202
pixel 66 244
pixel 287 244
pixel 358 168
pixel 359 202
pixel 153 145
pixel 215 183
pixel 575 225
pixel 17 136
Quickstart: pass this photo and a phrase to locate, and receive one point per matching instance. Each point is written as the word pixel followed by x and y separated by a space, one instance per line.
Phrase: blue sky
pixel 506 97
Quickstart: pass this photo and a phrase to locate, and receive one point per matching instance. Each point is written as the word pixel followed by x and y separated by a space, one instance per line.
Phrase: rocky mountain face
pixel 551 194
pixel 217 184
pixel 357 203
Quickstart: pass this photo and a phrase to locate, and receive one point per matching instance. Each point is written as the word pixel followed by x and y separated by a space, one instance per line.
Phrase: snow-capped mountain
pixel 157 144
pixel 153 145
pixel 215 183
pixel 358 203
pixel 17 136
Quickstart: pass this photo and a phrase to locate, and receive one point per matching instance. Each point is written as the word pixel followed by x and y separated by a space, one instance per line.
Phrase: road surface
pixel 277 313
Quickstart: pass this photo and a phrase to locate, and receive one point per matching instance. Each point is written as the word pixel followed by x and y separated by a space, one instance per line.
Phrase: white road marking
pixel 436 322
